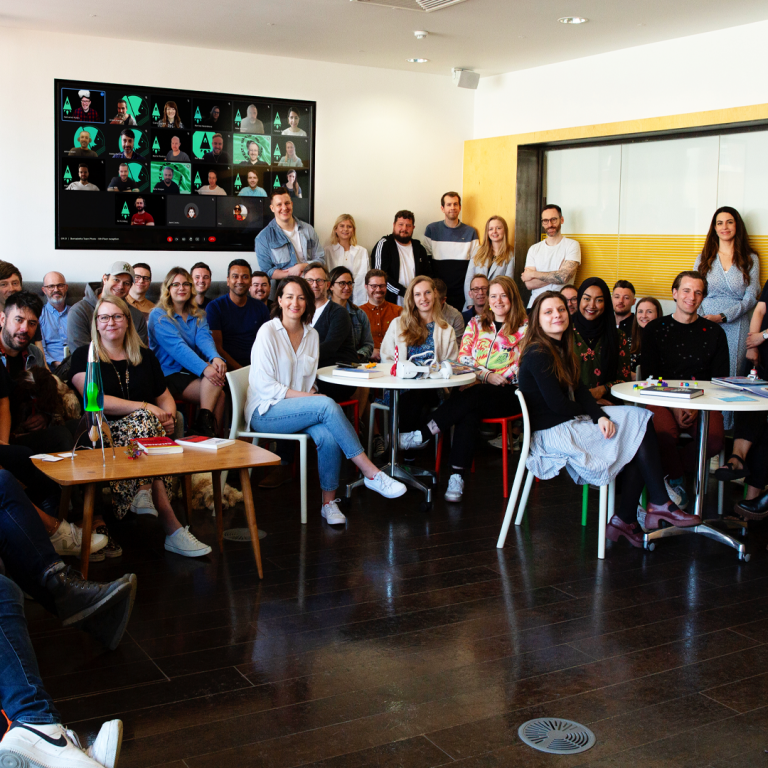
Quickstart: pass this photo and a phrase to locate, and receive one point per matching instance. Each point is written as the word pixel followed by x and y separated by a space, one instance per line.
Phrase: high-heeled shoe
pixel 617 528
pixel 655 513
pixel 754 509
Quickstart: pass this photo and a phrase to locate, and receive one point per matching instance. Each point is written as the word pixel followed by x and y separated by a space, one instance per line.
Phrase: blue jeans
pixel 323 420
pixel 25 547
pixel 22 694
pixel 40 488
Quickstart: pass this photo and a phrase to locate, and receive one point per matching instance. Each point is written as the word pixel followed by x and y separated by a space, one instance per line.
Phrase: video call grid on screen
pixel 176 170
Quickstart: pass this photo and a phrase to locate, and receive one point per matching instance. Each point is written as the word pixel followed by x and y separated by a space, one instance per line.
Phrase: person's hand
pixel 528 273
pixel 754 340
pixel 496 379
pixel 376 356
pixel 753 354
pixel 684 417
pixel 168 420
pixel 219 364
pixel 33 423
pixel 603 401
pixel 598 392
pixel 714 318
pixel 214 376
pixel 607 427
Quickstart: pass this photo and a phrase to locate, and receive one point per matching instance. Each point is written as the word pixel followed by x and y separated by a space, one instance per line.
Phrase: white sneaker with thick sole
pixel 411 440
pixel 455 489
pixel 387 486
pixel 182 542
pixel 332 514
pixel 676 493
pixel 142 503
pixel 43 746
pixel 68 540
pixel 106 749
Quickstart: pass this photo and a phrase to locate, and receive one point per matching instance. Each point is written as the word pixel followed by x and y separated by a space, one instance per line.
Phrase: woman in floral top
pixel 491 342
pixel 603 350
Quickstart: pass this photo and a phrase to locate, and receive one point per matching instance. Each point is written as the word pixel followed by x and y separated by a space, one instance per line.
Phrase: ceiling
pixel 489 36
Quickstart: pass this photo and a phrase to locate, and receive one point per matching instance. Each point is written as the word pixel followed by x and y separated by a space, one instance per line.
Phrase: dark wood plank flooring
pixel 409 640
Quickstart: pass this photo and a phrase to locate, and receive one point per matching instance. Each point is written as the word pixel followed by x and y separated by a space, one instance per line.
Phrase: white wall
pixel 715 70
pixel 385 139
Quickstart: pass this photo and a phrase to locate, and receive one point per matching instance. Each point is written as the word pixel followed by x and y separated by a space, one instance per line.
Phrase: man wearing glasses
pixel 53 320
pixel 380 311
pixel 478 292
pixel 117 281
pixel 551 263
pixel 137 296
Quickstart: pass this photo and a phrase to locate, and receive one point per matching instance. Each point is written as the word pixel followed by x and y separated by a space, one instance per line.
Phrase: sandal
pixel 728 472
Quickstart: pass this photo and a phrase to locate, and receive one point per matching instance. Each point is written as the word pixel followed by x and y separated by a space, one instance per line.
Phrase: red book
pixel 157 446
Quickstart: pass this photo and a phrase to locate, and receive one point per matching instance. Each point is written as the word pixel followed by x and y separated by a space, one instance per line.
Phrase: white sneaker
pixel 410 440
pixel 106 749
pixel 43 746
pixel 641 518
pixel 497 442
pixel 68 540
pixel 182 542
pixel 455 488
pixel 387 486
pixel 142 503
pixel 332 513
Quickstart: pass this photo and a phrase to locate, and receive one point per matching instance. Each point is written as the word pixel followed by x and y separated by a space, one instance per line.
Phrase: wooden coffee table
pixel 87 469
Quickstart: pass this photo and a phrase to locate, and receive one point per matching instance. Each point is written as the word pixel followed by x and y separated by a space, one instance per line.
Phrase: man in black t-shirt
pixel 167 185
pixel 123 182
pixel 684 346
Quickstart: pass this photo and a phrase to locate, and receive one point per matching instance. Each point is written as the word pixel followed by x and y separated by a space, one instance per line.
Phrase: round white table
pixel 706 403
pixel 406 475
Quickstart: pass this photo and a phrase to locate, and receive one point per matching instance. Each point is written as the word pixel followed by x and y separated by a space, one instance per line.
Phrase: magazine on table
pixel 744 384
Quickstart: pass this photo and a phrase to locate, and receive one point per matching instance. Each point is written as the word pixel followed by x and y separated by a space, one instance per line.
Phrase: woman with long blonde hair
pixel 180 337
pixel 419 330
pixel 345 252
pixel 137 404
pixel 494 257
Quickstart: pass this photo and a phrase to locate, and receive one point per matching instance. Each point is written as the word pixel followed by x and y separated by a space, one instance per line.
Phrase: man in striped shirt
pixel 451 244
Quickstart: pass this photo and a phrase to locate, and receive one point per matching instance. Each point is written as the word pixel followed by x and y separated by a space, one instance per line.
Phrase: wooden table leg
pixel 216 479
pixel 250 514
pixel 186 492
pixel 85 547
pixel 66 494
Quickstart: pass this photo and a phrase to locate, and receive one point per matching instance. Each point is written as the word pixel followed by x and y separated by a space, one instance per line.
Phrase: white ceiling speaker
pixel 412 5
pixel 465 78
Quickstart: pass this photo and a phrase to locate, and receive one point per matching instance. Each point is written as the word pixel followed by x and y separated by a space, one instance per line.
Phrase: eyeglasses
pixel 344 283
pixel 319 281
pixel 55 286
pixel 116 319
pixel 550 221
pixel 141 279
pixel 176 286
pixel 478 290
pixel 374 287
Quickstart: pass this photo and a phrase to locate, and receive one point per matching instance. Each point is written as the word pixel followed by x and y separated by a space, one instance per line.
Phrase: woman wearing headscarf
pixel 602 349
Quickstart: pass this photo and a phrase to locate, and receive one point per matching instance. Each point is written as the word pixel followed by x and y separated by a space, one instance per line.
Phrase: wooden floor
pixel 409 640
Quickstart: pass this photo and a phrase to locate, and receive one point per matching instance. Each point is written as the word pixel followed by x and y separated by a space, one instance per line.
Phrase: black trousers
pixel 413 406
pixel 465 410
pixel 754 427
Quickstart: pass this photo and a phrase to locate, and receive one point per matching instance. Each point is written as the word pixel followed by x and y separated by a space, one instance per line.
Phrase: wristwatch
pixel 723 317
pixel 765 335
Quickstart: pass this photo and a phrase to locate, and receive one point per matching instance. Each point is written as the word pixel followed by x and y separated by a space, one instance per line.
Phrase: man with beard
pixel 53 320
pixel 82 184
pixel 123 181
pixel 30 426
pixel 217 153
pixel 167 184
pixel 117 281
pixel 10 282
pixel 84 150
pixel 127 140
pixel 551 263
pixel 122 117
pixel 235 317
pixel 401 257
pixel 260 288
pixel 141 218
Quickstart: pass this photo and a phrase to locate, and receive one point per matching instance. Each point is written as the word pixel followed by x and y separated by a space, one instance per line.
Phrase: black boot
pixel 754 509
pixel 108 625
pixel 77 599
pixel 205 424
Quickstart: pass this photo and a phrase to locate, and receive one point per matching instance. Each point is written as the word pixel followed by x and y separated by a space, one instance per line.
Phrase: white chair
pixel 371 420
pixel 607 492
pixel 238 387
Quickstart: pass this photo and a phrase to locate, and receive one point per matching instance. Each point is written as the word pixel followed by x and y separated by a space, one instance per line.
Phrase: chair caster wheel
pixel 744 557
pixel 649 546
pixel 426 506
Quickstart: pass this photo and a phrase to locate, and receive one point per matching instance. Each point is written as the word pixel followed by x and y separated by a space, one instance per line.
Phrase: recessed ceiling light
pixel 573 20
pixel 417 61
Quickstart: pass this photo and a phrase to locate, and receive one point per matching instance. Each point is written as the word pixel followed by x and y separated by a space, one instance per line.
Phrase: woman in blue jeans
pixel 282 396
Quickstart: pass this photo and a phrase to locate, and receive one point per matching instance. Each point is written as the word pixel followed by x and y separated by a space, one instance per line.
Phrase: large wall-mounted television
pixel 151 168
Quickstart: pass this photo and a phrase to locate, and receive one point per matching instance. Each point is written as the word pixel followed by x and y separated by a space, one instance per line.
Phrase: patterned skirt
pixel 141 423
pixel 579 446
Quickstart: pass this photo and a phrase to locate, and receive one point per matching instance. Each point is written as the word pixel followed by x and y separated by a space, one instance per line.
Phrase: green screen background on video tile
pixel 182 175
pixel 240 143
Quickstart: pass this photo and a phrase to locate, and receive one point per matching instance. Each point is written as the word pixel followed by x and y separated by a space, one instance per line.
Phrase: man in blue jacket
pixel 286 245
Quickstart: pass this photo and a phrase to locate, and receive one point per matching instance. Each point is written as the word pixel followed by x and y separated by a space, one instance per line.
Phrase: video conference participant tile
pixel 86 211
pixel 240 212
pixel 211 147
pixel 290 153
pixel 80 174
pixel 170 111
pixel 171 178
pixel 128 110
pixel 293 122
pixel 165 143
pixel 191 211
pixel 211 180
pixel 133 177
pixel 215 114
pixel 253 181
pixel 83 104
pixel 252 117
pixel 139 210
pixel 122 142
pixel 251 149
pixel 84 141
pixel 295 180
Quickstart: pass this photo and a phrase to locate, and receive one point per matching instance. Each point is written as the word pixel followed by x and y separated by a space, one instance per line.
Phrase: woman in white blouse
pixel 345 252
pixel 282 396
pixel 494 257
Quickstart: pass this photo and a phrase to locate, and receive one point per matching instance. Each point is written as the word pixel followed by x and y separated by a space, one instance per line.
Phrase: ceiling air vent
pixel 413 5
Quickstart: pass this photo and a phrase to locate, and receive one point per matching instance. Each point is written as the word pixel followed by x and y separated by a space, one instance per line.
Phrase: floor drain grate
pixel 241 534
pixel 556 736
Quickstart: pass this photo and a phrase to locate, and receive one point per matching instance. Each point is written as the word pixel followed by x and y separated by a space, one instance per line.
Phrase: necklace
pixel 127 390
